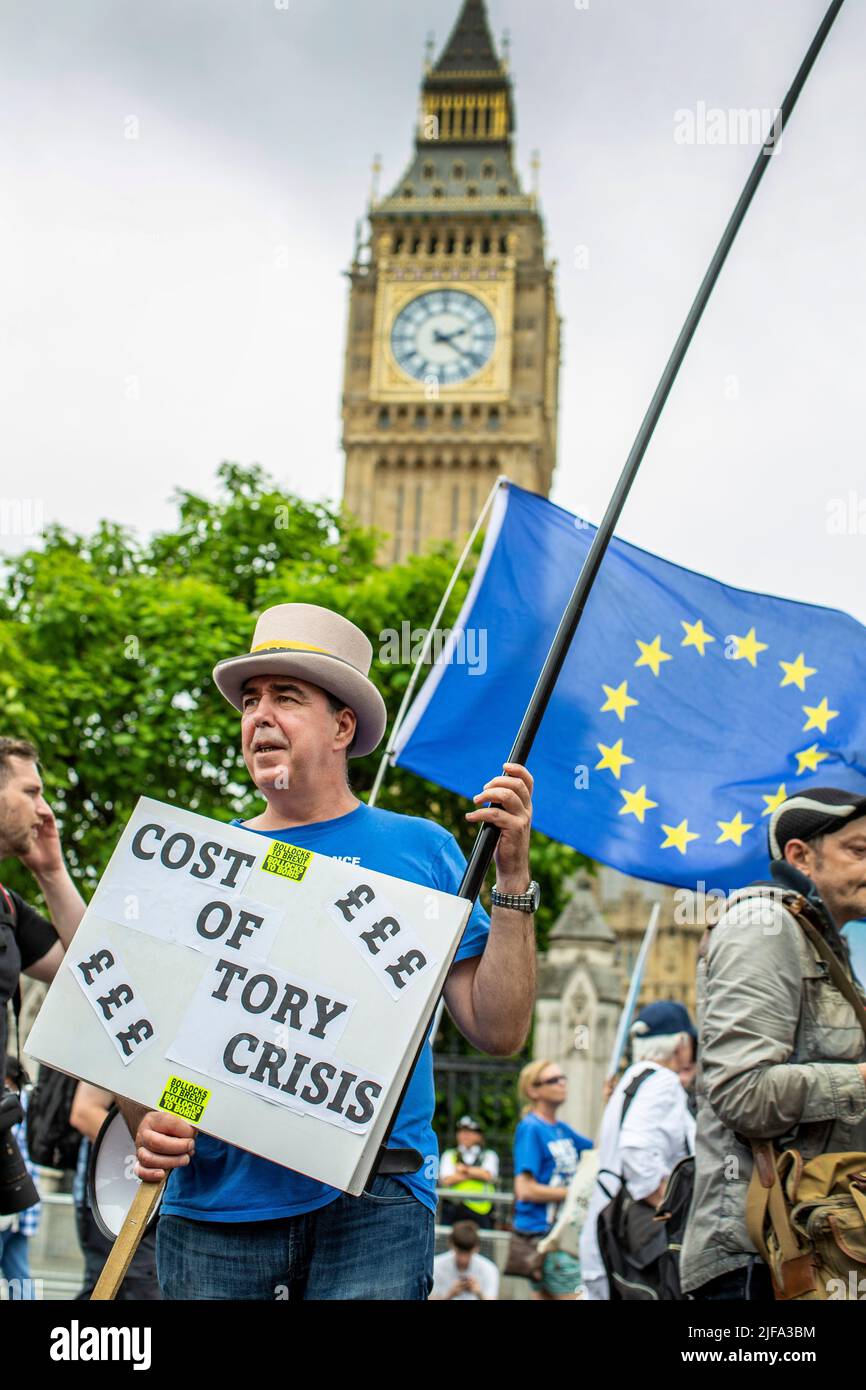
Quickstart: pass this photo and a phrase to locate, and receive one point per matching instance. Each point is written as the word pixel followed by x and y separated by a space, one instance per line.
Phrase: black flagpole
pixel 485 842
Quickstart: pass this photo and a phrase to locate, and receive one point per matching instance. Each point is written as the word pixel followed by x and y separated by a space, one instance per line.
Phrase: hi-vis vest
pixel 469 1185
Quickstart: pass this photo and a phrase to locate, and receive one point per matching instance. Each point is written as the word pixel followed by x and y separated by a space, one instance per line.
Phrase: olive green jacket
pixel 778 1047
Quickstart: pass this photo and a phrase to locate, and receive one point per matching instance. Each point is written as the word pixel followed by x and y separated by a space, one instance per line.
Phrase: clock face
pixel 445 334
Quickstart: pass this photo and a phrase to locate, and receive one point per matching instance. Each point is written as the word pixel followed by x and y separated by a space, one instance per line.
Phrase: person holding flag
pixel 234 1226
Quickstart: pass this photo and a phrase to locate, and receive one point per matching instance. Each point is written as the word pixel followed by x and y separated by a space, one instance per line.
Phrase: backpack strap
pixel 631 1091
pixel 629 1094
pixel 845 985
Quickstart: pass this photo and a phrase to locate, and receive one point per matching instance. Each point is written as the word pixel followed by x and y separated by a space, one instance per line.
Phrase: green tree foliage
pixel 107 645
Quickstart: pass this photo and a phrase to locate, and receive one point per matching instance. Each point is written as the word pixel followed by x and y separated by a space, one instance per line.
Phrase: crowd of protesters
pixel 708 1131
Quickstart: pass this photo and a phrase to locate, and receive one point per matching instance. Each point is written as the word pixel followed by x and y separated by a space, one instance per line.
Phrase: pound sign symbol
pixel 136 1033
pixel 407 964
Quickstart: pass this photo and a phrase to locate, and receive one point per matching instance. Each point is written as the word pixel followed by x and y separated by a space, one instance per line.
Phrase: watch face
pixel 445 334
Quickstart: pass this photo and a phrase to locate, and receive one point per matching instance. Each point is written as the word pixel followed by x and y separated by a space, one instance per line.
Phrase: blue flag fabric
pixel 685 712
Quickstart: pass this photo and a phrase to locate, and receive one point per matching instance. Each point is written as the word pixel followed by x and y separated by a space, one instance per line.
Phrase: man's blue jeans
pixel 378 1246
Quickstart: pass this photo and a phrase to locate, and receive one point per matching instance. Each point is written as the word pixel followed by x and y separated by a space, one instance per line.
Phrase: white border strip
pixel 428 689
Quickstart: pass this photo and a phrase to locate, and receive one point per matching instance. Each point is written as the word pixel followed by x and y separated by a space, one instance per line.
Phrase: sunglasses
pixel 552 1080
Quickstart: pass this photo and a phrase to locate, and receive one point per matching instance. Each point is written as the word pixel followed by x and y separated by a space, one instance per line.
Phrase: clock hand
pixel 470 357
pixel 447 337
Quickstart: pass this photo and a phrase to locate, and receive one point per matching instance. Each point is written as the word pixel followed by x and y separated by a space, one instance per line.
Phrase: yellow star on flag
pixel 733 830
pixel 678 836
pixel 651 654
pixel 775 800
pixel 617 700
pixel 636 803
pixel 796 672
pixel 809 759
pixel 613 758
pixel 748 647
pixel 696 636
pixel 819 716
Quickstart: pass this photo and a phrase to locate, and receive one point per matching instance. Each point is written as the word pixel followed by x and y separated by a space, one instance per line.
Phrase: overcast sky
pixel 176 298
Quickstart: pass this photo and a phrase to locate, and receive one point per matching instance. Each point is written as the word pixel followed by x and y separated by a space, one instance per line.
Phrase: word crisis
pixel 329 1084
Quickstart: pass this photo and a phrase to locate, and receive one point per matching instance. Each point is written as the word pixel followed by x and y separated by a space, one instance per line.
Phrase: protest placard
pixel 270 995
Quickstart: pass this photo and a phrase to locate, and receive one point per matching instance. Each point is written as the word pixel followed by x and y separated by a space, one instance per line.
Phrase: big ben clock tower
pixel 452 356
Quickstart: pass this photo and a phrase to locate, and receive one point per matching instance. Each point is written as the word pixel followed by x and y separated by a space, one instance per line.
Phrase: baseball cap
pixel 819 811
pixel 467 1122
pixel 664 1016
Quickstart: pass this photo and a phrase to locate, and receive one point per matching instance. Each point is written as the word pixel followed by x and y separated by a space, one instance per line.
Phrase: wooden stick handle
pixel 124 1248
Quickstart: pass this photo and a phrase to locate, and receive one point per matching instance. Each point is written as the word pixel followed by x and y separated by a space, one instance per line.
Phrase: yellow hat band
pixel 288 646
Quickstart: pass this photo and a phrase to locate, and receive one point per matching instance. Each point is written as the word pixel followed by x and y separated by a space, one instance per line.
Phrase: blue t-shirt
pixel 549 1153
pixel 223 1183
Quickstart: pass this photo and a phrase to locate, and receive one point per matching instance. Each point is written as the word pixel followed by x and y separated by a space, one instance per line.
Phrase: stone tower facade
pixel 453 343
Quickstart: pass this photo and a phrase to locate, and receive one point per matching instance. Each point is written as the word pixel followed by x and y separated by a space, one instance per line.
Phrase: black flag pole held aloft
pixel 485 842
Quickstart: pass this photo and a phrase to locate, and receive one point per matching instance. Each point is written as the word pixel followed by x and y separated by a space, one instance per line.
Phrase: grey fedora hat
pixel 316 645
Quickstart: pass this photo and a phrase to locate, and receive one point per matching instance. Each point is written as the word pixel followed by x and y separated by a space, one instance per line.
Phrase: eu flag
pixel 686 711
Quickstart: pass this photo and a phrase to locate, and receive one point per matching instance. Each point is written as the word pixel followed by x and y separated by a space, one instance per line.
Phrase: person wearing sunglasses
pixel 546 1154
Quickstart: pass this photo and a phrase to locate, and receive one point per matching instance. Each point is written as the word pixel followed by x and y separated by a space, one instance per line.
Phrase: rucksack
pixel 51 1140
pixel 630 1244
pixel 672 1216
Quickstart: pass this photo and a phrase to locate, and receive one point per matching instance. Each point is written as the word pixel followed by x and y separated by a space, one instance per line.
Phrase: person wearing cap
pixel 781 1054
pixel 645 1130
pixel 467 1170
pixel 233 1225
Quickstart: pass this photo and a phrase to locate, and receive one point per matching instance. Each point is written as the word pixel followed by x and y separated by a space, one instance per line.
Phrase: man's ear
pixel 346 725
pixel 799 853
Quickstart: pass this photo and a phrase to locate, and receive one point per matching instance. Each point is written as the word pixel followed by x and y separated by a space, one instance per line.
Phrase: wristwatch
pixel 518 902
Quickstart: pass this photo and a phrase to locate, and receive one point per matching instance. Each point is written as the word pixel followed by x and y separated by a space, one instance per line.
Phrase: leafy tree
pixel 107 643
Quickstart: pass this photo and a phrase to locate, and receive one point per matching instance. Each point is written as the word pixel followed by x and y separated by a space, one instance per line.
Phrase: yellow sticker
pixel 185 1099
pixel 287 860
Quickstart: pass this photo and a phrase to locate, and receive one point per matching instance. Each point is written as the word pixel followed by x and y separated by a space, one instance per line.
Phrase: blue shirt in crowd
pixel 223 1183
pixel 549 1153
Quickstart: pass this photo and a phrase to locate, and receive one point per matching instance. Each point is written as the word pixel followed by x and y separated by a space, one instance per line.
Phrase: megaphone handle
pixel 129 1237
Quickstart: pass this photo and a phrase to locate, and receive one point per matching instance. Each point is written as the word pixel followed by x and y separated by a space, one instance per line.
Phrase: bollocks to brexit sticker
pixel 185 1099
pixel 287 860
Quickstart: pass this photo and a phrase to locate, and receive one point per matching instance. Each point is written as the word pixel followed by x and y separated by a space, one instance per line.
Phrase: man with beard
pixel 234 1226
pixel 781 1053
pixel 28 832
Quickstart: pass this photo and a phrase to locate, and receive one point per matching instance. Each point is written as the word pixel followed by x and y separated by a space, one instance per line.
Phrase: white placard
pixel 276 1027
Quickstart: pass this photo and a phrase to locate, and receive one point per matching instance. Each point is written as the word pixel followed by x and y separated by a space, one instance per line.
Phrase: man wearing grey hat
pixel 781 1052
pixel 236 1226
